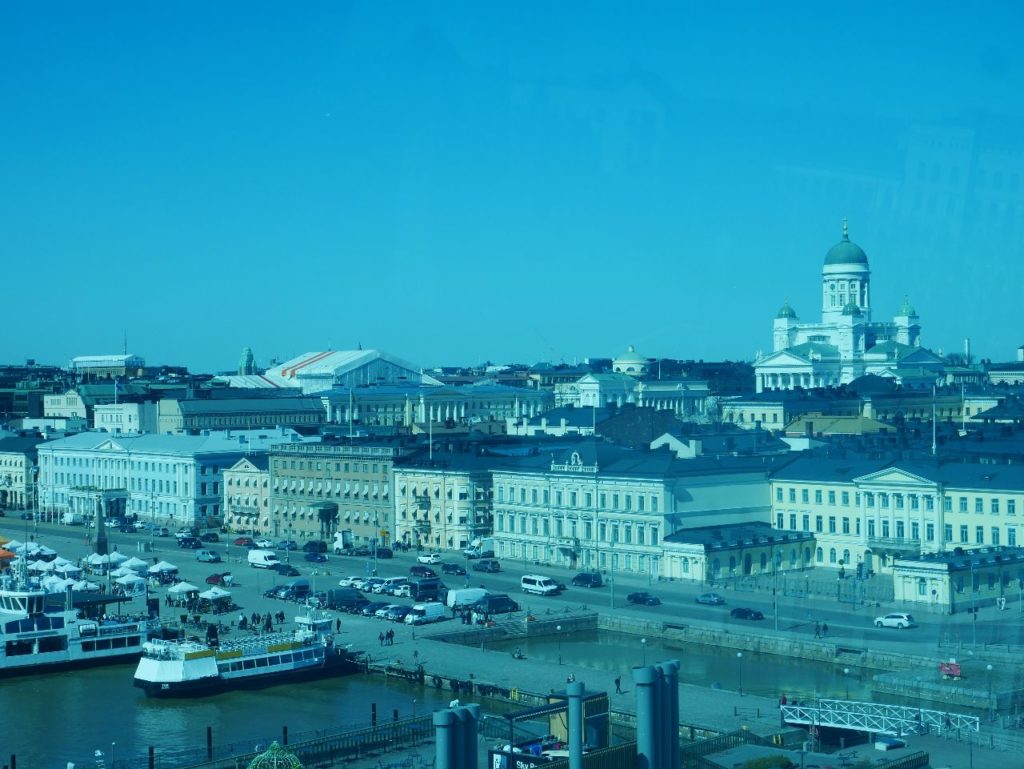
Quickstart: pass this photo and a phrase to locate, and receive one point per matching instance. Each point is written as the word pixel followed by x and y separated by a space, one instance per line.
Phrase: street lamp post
pixel 846 673
pixel 558 629
pixel 643 646
pixel 739 659
pixel 991 704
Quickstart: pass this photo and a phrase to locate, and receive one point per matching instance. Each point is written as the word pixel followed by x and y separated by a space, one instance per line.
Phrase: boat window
pixel 275 660
pixel 134 640
pixel 250 664
pixel 88 646
pixel 119 643
pixel 261 662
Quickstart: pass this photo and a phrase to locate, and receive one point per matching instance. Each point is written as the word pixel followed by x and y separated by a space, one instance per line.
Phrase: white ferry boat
pixel 35 637
pixel 191 668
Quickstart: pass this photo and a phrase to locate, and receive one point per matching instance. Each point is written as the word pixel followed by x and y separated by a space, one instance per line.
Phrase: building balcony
pixel 895 544
pixel 567 543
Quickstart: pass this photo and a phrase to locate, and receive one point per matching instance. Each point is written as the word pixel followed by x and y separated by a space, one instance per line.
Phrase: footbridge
pixel 874 717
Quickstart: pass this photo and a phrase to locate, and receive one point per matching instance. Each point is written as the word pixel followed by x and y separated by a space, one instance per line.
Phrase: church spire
pixel 846 229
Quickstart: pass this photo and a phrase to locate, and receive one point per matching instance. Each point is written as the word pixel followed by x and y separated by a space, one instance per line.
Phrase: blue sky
pixel 458 182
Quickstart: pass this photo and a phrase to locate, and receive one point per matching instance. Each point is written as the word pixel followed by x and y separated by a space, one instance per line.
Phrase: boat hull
pixel 82 663
pixel 334 664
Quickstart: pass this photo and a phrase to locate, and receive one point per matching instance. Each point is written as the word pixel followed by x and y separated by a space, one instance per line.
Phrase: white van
pixel 466 596
pixel 538 585
pixel 422 613
pixel 263 559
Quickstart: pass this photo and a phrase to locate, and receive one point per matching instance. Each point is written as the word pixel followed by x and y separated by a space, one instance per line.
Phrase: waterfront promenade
pixel 713 709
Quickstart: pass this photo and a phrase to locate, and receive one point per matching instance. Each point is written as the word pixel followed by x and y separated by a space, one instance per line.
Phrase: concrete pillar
pixel 575 691
pixel 671 671
pixel 644 680
pixel 445 729
pixel 469 735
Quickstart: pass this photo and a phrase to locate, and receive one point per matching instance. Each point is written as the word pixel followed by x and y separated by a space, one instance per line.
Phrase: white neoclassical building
pixel 846 343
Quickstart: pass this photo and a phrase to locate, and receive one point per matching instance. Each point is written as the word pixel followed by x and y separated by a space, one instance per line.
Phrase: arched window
pixel 832 555
pixel 819 555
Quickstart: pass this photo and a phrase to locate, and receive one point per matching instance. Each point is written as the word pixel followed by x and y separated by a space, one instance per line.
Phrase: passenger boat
pixel 192 668
pixel 37 637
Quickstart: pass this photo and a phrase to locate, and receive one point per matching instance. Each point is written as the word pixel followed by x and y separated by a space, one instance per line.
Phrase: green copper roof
pixel 845 252
pixel 907 309
pixel 787 312
pixel 851 309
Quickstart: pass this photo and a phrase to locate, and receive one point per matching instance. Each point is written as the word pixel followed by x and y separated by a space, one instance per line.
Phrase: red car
pixel 224 579
pixel 244 542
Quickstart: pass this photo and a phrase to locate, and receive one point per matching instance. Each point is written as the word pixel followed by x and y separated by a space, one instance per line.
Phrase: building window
pixel 897 500
pixel 780 520
pixel 913 501
pixel 654 504
pixel 929 532
pixel 1011 507
pixel 846 525
pixel 947 533
pixel 572 499
pixel 807 522
pixel 885 528
pixel 817 496
pixel 615 501
pixel 929 503
pixel 963 504
pixel 803 496
pixel 792 495
pixel 915 530
pixel 778 493
pixel 818 524
pixel 871 528
pixel 832 498
pixel 869 499
pixel 640 500
pixel 845 498
pixel 883 500
pixel 1011 537
pixel 995 535
pixel 979 505
pixel 995 507
pixel 831 524
pixel 792 521
pixel 832 555
pixel 900 530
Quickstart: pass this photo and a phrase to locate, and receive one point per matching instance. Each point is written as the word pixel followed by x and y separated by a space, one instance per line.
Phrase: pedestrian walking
pixel 824 630
pixel 337 625
pixel 391 637
pixel 380 638
pixel 817 630
pixel 618 684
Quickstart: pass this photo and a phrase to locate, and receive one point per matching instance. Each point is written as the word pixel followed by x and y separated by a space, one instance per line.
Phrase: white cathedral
pixel 846 343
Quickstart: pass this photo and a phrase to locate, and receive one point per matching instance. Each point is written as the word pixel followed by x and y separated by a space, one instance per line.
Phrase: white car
pixel 898 620
pixel 265 544
pixel 380 613
pixel 429 558
pixel 349 581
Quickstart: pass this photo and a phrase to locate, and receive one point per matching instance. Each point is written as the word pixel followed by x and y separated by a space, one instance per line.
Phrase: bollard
pixel 209 743
pixel 284 735
pixel 152 757
pixel 373 714
pixel 394 714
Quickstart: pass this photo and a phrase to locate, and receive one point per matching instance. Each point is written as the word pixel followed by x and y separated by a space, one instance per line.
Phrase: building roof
pixel 787 312
pixel 845 252
pixel 732 536
pixel 208 442
pixel 250 405
pixel 959 475
pixel 20 444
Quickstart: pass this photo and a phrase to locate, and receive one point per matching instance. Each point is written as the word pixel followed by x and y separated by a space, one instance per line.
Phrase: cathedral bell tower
pixel 845 281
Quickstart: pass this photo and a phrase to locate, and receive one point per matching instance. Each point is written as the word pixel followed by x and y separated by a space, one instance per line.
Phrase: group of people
pixel 254 621
pixel 387 639
pixel 820 629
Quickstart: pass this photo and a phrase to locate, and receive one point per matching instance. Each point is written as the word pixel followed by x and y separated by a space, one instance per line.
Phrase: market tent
pixel 162 566
pixel 98 560
pixel 61 561
pixel 67 569
pixel 182 588
pixel 43 550
pixel 40 566
pixel 132 584
pixel 85 586
pixel 118 558
pixel 215 593
pixel 121 571
pixel 54 584
pixel 135 564
pixel 6 555
pixel 13 545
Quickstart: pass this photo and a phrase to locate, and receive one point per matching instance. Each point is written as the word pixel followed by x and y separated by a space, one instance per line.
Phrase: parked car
pixel 742 612
pixel 711 599
pixel 452 568
pixel 265 544
pixel 357 606
pixel 316 557
pixel 382 612
pixel 315 546
pixel 369 584
pixel 644 599
pixel 397 613
pixel 208 556
pixel 138 525
pixel 222 578
pixel 126 528
pixel 488 565
pixel 588 579
pixel 286 570
pixel 429 558
pixel 385 553
pixel 350 581
pixel 898 620
pixel 418 570
pixel 371 608
pixel 244 542
pixel 287 544
pixel 209 536
pixel 163 531
pixel 189 543
pixel 357 551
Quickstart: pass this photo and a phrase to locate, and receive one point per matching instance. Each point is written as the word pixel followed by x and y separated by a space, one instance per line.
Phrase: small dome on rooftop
pixel 907 309
pixel 852 309
pixel 787 312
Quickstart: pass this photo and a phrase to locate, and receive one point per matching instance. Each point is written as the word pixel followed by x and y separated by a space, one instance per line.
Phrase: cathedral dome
pixel 907 309
pixel 787 312
pixel 845 252
pixel 852 309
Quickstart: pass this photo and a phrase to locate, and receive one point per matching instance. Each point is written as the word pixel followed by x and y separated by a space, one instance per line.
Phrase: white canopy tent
pixel 162 566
